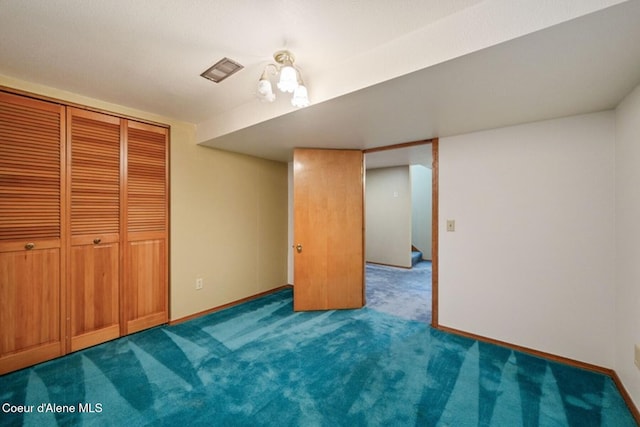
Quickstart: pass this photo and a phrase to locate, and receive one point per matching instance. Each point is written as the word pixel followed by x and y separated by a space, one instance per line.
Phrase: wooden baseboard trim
pixel 549 356
pixel 230 304
pixel 626 396
pixel 388 265
pixel 555 358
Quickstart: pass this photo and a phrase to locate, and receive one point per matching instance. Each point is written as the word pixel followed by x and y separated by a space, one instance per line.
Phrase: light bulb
pixel 300 97
pixel 264 87
pixel 288 79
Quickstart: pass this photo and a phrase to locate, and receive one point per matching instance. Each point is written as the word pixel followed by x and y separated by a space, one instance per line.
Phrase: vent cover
pixel 221 70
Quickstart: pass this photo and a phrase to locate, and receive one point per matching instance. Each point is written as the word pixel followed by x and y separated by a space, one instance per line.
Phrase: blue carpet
pixel 416 257
pixel 261 364
pixel 404 292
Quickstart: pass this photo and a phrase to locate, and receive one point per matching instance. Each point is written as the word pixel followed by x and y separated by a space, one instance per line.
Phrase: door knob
pixel 299 247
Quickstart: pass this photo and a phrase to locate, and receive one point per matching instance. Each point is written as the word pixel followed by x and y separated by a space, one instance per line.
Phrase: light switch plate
pixel 451 225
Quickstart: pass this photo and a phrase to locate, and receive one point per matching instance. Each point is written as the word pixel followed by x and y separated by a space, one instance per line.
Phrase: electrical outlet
pixel 636 358
pixel 451 225
pixel 199 283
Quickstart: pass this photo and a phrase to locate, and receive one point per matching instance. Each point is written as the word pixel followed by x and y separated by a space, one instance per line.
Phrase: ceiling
pixel 379 72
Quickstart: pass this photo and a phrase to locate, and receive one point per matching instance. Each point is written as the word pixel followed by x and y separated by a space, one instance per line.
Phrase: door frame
pixel 434 216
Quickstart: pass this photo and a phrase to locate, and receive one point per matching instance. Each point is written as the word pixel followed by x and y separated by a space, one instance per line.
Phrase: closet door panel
pixel 95 190
pixel 31 233
pixel 30 307
pixel 94 294
pixel 145 288
pixel 146 279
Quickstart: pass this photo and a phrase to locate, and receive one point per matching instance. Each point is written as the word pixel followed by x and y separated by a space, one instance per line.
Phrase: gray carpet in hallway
pixel 400 291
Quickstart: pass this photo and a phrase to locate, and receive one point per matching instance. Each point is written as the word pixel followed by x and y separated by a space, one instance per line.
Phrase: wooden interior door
pixel 146 278
pixel 328 226
pixel 94 161
pixel 31 235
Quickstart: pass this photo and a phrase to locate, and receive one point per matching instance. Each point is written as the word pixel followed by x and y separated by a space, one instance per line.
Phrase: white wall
pixel 388 216
pixel 532 259
pixel 421 204
pixel 627 307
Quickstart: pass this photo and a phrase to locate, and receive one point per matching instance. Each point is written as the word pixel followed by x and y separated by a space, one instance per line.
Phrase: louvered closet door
pixel 94 161
pixel 31 212
pixel 145 289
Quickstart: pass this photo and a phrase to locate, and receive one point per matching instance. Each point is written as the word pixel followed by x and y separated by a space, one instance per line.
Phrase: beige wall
pixel 421 205
pixel 388 216
pixel 228 215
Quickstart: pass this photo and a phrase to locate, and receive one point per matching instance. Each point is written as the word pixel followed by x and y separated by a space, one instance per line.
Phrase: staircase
pixel 416 256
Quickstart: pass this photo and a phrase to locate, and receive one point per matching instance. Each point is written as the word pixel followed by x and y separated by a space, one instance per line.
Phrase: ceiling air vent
pixel 221 70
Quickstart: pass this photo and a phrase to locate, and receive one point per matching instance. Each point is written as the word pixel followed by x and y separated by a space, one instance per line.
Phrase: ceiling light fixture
pixel 289 80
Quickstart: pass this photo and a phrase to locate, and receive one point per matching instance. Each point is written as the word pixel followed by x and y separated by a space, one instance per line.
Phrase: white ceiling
pixel 514 62
pixel 149 54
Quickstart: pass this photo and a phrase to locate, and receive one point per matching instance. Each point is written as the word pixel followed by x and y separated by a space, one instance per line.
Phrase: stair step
pixel 416 257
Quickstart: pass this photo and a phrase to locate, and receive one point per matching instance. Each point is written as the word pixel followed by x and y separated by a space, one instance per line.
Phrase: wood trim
pixel 403 145
pixel 531 351
pixel 124 246
pixel 434 233
pixel 95 337
pixel 148 127
pixel 230 304
pixel 136 236
pixel 146 322
pixel 13 246
pixel 167 177
pixel 89 239
pixel 554 358
pixel 363 221
pixel 65 232
pixel 626 396
pixel 63 102
pixel 387 265
pixel 434 215
pixel 13 362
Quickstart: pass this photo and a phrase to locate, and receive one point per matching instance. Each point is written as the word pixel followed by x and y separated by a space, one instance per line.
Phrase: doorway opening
pixel 401 230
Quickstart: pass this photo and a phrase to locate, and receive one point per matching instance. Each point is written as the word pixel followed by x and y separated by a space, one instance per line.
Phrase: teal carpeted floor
pixel 261 364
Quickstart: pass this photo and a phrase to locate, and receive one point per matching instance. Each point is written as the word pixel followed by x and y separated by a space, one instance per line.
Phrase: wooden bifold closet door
pixel 95 163
pixel 84 228
pixel 31 233
pixel 145 295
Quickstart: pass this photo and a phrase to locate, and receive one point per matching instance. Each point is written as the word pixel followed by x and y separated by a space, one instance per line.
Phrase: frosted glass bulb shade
pixel 265 92
pixel 288 79
pixel 300 97
pixel 264 88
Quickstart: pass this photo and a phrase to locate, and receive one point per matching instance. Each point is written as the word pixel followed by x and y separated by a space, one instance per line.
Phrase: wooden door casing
pixel 329 226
